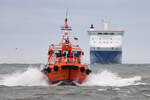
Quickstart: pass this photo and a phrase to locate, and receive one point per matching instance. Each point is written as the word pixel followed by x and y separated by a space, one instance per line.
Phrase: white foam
pixel 31 77
pixel 107 78
pixel 34 77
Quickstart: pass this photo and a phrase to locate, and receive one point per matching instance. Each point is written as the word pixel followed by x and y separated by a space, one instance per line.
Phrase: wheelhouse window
pixel 58 53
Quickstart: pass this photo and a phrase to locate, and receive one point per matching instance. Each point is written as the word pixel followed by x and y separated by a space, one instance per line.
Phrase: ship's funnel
pixel 106 23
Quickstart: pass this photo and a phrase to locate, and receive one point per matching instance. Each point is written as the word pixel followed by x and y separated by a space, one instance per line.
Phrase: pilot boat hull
pixel 67 74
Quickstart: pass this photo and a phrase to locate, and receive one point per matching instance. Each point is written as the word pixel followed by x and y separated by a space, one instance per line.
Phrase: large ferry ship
pixel 105 45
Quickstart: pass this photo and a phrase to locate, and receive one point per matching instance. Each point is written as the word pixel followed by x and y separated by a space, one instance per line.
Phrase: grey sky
pixel 30 25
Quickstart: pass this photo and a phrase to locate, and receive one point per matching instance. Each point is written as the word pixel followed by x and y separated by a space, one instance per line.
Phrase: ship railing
pixel 59 46
pixel 73 48
pixel 67 60
pixel 105 48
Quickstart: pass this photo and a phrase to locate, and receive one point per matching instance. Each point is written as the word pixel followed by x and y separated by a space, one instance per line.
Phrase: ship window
pixel 99 33
pixel 72 54
pixel 68 55
pixel 58 53
pixel 111 33
pixel 64 53
pixel 77 54
pixel 105 33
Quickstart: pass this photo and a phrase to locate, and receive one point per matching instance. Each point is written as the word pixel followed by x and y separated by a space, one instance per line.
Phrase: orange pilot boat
pixel 64 61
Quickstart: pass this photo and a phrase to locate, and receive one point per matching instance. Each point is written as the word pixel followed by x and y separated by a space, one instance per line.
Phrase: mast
pixel 66 26
pixel 66 29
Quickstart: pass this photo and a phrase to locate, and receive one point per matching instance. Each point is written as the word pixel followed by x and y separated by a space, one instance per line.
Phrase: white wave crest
pixel 31 77
pixel 34 77
pixel 107 78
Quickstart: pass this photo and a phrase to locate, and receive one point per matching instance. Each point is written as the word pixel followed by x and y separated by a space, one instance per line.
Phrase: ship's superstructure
pixel 105 45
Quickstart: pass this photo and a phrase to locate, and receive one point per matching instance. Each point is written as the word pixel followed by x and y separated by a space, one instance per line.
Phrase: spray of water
pixel 31 77
pixel 34 77
pixel 107 78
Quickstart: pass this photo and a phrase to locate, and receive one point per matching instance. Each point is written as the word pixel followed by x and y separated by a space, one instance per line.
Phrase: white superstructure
pixel 105 44
pixel 109 40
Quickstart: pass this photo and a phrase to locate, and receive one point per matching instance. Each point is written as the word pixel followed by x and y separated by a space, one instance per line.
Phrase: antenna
pixel 106 23
pixel 67 13
pixel 66 27
pixel 66 19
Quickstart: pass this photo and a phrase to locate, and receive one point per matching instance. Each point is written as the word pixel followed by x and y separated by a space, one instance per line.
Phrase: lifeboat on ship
pixel 64 61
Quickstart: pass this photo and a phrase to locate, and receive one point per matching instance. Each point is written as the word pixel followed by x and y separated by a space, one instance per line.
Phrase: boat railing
pixel 67 60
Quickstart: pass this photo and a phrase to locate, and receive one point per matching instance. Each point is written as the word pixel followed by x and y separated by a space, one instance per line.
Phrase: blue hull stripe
pixel 106 57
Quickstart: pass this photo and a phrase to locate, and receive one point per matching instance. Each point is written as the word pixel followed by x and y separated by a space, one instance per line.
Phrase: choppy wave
pixel 30 77
pixel 33 77
pixel 108 78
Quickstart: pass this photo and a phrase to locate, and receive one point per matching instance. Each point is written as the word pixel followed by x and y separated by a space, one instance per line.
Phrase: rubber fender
pixel 49 52
pixel 55 68
pixel 48 69
pixel 82 69
pixel 88 71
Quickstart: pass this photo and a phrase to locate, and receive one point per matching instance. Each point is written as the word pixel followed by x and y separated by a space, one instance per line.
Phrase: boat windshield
pixel 58 53
pixel 71 54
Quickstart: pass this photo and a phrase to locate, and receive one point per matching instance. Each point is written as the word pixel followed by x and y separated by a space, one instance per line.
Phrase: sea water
pixel 106 82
